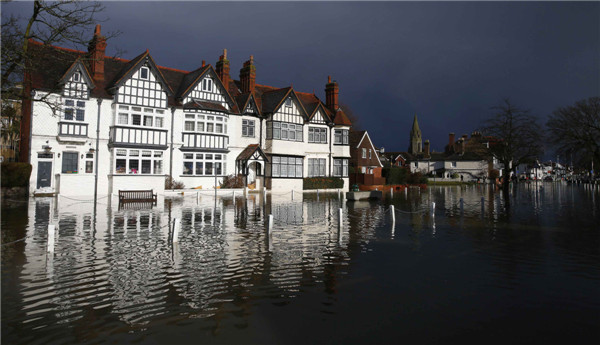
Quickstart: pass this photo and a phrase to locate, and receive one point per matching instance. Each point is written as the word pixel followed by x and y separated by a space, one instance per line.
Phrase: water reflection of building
pixel 123 260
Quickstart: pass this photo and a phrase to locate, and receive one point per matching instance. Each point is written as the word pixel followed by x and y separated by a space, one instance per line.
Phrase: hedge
pixel 398 175
pixel 15 174
pixel 323 183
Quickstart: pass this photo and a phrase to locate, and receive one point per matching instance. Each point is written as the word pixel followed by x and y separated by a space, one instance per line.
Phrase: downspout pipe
pixel 97 151
pixel 171 146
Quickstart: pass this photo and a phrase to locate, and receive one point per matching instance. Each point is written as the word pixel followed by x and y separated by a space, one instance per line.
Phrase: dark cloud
pixel 448 62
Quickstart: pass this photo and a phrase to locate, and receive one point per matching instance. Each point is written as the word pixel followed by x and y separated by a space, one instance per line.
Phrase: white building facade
pixel 97 125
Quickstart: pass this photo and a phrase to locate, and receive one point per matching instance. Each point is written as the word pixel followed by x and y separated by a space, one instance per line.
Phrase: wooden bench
pixel 137 196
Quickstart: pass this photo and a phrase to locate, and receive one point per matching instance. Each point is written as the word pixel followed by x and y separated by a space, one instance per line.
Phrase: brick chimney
pixel 248 76
pixel 96 49
pixel 223 69
pixel 426 148
pixel 331 95
pixel 451 140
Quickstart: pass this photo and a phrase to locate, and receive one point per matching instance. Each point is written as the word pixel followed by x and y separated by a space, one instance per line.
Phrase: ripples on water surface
pixel 529 274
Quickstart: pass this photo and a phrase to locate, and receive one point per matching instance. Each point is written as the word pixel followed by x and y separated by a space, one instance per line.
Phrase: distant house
pixel 364 160
pixel 398 159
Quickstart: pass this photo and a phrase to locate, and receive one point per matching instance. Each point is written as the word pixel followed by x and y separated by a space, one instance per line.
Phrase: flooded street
pixel 481 274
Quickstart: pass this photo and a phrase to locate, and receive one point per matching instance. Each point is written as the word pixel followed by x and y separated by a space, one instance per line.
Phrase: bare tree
pixel 518 135
pixel 351 116
pixel 575 131
pixel 65 23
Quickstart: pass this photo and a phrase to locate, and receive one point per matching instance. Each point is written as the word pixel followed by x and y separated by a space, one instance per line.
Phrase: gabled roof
pixel 243 100
pixel 357 137
pixel 190 80
pixel 86 74
pixel 134 65
pixel 249 151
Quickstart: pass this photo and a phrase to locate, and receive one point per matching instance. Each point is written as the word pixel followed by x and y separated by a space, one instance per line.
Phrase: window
pixel 363 170
pixel 288 102
pixel 369 153
pixel 341 137
pixel 317 135
pixel 74 110
pixel 364 153
pixel 454 164
pixel 89 163
pixel 283 166
pixel 316 167
pixel 76 76
pixel 138 162
pixel 190 126
pixel 284 131
pixel 69 163
pixel 247 128
pixel 136 116
pixel 207 84
pixel 144 73
pixel 340 167
pixel 204 164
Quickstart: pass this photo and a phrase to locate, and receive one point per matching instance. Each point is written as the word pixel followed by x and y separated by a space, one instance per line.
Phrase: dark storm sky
pixel 447 62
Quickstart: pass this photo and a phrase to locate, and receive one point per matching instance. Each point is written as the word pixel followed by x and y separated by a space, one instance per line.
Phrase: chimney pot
pixel 222 69
pixel 203 63
pixel 225 54
pixel 331 95
pixel 96 49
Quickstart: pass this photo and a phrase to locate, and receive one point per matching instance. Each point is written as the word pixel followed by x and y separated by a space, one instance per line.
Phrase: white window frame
pixel 319 132
pixel 364 152
pixel 129 111
pixel 75 108
pixel 147 70
pixel 76 76
pixel 317 167
pixel 340 167
pixel 207 84
pixel 248 128
pixel 156 158
pixel 282 130
pixel 287 167
pixel 194 159
pixel 205 123
pixel 340 137
pixel 288 102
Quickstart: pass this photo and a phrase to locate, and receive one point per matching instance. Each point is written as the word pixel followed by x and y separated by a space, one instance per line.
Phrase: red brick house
pixel 365 165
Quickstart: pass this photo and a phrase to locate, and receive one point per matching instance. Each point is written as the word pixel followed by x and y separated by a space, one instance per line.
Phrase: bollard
pixel 392 192
pixel 197 196
pixel 264 192
pixel 270 224
pixel 482 205
pixel 340 218
pixel 51 230
pixel 393 213
pixel 292 194
pixel 462 205
pixel 176 229
pixel 406 192
pixel 317 193
pixel 339 193
pixel 233 199
pixel 433 208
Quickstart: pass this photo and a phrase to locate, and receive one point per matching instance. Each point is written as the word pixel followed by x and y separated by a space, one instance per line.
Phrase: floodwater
pixel 529 273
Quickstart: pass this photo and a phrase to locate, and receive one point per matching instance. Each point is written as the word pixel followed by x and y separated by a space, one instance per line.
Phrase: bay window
pixel 317 167
pixel 284 131
pixel 204 164
pixel 340 137
pixel 340 167
pixel 284 166
pixel 317 135
pixel 144 162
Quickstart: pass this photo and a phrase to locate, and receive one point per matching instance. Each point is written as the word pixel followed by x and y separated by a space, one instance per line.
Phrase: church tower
pixel 416 144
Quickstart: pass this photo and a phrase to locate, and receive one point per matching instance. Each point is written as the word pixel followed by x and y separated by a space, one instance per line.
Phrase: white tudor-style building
pixel 128 124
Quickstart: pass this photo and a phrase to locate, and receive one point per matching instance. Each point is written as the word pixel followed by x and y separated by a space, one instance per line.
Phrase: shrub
pixel 395 175
pixel 233 181
pixel 416 178
pixel 15 174
pixel 170 183
pixel 322 183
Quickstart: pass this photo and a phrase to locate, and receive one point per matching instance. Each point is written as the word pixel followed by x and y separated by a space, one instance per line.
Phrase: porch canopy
pixel 252 153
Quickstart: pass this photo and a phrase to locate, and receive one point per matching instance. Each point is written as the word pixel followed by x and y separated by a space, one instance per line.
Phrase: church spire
pixel 416 143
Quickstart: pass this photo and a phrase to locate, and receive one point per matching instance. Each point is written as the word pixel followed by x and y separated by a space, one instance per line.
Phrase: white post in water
pixel 462 205
pixel 292 194
pixel 340 226
pixel 233 199
pixel 270 224
pixel 265 192
pixel 197 197
pixel 393 213
pixel 339 193
pixel 176 229
pixel 405 192
pixel 317 194
pixel 51 230
pixel 392 192
pixel 433 208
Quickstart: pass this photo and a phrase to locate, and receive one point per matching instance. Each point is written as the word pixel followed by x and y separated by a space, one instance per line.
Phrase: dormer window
pixel 288 102
pixel 144 71
pixel 76 76
pixel 207 84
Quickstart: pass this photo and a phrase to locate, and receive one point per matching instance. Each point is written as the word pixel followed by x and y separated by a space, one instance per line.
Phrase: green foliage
pixel 15 174
pixel 401 175
pixel 395 175
pixel 323 183
pixel 233 181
